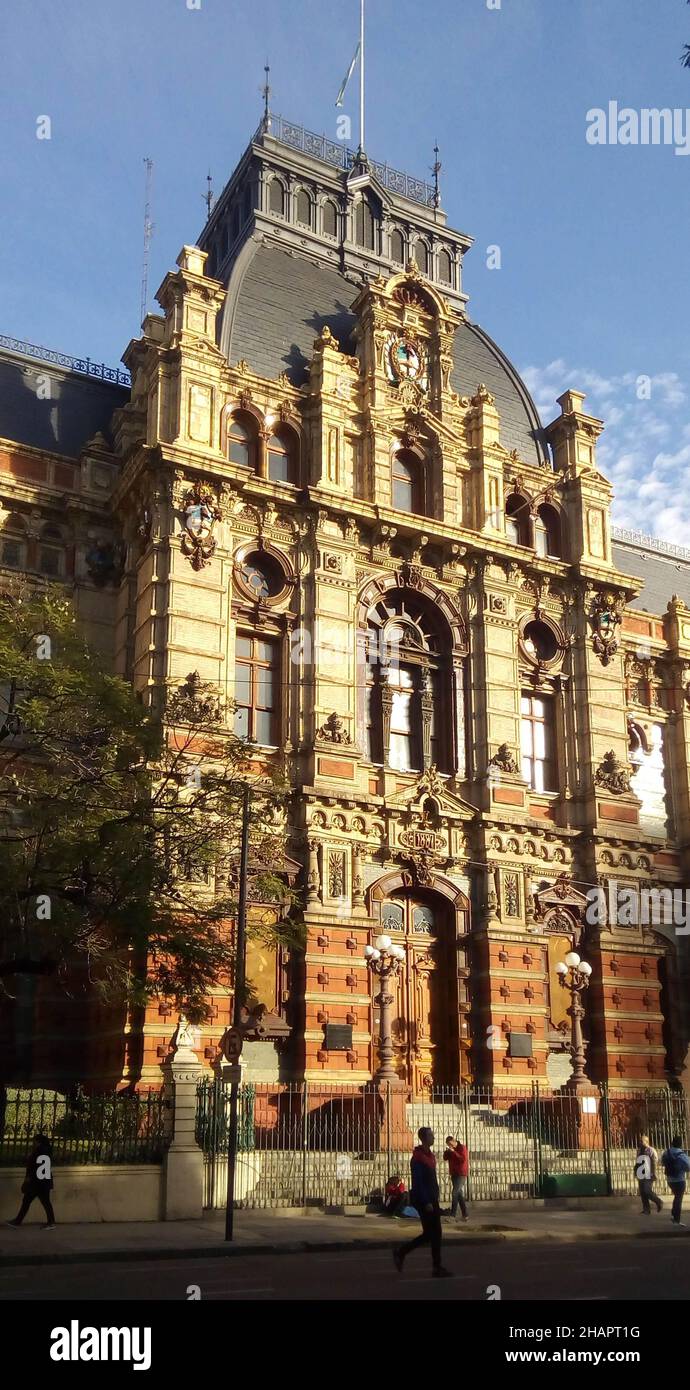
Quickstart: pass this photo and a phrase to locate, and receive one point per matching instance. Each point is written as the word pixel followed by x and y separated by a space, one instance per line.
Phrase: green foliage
pixel 120 826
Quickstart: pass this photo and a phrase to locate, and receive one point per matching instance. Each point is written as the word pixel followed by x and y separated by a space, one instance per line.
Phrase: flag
pixel 341 93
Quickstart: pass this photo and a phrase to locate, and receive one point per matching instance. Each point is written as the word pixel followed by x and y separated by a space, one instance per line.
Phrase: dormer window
pixel 276 198
pixel 303 208
pixel 282 457
pixel 242 440
pixel 517 519
pixel 547 532
pixel 397 247
pixel 330 219
pixel 407 483
pixel 365 225
pixel 421 255
pixel 445 267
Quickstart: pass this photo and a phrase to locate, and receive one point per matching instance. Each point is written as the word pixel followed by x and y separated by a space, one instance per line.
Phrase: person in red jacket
pixel 457 1158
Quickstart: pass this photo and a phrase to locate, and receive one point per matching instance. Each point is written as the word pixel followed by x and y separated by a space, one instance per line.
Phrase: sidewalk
pixel 288 1231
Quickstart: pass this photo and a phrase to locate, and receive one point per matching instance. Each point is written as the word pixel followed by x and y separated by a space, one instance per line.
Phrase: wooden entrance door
pixel 425 1017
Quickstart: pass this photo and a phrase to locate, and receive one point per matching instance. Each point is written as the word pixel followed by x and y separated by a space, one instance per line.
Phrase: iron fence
pixel 83 1128
pixel 117 375
pixel 308 1143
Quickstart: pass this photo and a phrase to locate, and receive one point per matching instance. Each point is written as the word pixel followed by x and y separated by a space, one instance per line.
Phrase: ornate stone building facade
pixel 329 493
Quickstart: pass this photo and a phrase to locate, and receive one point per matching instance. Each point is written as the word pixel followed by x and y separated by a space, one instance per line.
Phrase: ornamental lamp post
pixel 384 959
pixel 574 974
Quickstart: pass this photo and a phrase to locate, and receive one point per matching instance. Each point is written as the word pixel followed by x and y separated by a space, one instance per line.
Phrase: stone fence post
pixel 183 1167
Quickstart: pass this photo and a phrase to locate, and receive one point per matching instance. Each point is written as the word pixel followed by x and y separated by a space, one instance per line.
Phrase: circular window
pixel 261 576
pixel 540 642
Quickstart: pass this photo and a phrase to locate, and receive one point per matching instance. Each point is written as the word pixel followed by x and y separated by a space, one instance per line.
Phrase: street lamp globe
pixel 585 967
pixel 368 952
pixel 572 959
pixel 384 943
pixel 375 955
pixel 561 968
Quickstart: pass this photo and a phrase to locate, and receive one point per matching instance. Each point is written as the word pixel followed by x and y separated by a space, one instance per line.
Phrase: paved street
pixel 630 1270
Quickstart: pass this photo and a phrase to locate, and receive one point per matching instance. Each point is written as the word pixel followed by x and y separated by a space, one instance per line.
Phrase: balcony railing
pixel 335 153
pixel 644 542
pixel 117 375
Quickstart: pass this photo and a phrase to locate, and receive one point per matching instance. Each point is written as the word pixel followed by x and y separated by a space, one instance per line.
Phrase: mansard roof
pixel 73 400
pixel 279 301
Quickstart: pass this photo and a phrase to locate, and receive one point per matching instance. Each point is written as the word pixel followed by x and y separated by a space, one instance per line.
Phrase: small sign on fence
pixel 343 1167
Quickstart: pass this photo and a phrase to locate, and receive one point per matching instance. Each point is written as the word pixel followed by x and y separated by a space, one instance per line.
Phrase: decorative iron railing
pixel 341 157
pixel 116 375
pixel 645 542
pixel 326 1144
pixel 83 1128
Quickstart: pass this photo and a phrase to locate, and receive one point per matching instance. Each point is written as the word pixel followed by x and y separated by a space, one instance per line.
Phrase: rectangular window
pixel 257 690
pixel 538 743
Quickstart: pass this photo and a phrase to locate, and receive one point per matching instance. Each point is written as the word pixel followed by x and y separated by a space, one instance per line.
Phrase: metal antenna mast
pixel 436 169
pixel 266 94
pixel 148 233
pixel 208 196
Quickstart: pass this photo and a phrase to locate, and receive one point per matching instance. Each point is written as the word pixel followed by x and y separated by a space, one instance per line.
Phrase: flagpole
pixel 361 75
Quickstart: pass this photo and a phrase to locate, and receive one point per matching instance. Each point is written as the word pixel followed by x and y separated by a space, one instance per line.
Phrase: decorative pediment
pixel 430 786
pixel 560 894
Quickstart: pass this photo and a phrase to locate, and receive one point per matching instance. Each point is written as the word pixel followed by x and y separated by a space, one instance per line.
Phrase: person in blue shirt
pixel 676 1165
pixel 424 1196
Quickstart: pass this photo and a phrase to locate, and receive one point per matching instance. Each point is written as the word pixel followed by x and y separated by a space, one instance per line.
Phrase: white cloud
pixel 645 449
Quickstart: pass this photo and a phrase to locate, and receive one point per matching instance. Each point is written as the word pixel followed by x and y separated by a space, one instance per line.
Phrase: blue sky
pixel 594 289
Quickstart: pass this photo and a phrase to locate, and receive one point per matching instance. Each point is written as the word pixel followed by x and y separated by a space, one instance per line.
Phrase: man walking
pixel 676 1167
pixel 424 1196
pixel 456 1157
pixel 645 1172
pixel 38 1182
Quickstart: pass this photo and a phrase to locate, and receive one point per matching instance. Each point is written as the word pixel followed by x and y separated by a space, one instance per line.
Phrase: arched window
pixel 276 197
pixel 547 531
pixel 445 267
pixel 242 439
pixel 397 247
pixel 13 543
pixel 421 255
pixel 330 218
pixel 51 552
pixel 282 457
pixel 365 225
pixel 408 684
pixel 407 483
pixel 517 519
pixel 303 208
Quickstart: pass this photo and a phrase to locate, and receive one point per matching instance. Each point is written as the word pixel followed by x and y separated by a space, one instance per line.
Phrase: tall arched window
pixel 282 457
pixel 276 197
pixel 365 225
pixel 330 218
pixel 13 543
pixel 517 519
pixel 397 247
pixel 421 255
pixel 445 267
pixel 547 531
pixel 408 684
pixel 242 439
pixel 303 208
pixel 408 492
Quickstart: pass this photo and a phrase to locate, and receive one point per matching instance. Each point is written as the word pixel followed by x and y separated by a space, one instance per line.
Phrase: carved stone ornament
pixel 605 617
pixel 201 512
pixel 334 730
pixel 483 396
pixel 195 702
pixel 504 760
pixel 409 576
pixel 612 775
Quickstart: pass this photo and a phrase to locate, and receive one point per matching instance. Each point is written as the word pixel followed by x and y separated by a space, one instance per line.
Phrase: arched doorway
pixel 425 1015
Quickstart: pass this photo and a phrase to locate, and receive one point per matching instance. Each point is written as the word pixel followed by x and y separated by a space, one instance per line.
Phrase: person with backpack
pixel 457 1158
pixel 676 1165
pixel 645 1172
pixel 38 1182
pixel 424 1197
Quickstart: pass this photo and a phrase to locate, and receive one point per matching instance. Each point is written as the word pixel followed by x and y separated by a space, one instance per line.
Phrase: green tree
pixel 120 828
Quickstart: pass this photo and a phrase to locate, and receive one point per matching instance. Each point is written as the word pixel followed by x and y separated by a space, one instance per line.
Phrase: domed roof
pixel 278 301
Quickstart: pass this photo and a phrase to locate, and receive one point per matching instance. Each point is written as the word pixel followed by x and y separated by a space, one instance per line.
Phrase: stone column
pixel 183 1167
